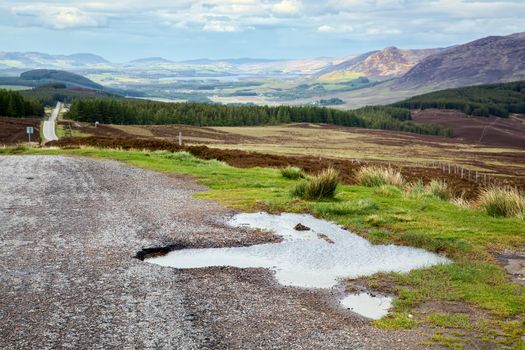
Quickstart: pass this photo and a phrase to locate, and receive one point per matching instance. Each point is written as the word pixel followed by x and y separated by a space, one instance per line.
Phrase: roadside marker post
pixel 29 131
pixel 180 138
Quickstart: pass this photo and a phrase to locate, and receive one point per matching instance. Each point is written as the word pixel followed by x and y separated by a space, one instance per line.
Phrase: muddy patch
pixel 514 264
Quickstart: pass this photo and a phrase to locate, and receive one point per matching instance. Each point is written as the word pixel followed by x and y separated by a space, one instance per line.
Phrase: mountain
pixel 87 59
pixel 235 61
pixel 492 59
pixel 346 64
pixel 388 63
pixel 151 60
pixel 33 60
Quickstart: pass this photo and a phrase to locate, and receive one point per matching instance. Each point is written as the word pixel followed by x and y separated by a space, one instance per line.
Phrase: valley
pixel 356 195
pixel 375 77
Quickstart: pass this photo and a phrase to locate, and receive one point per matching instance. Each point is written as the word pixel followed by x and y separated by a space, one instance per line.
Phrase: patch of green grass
pixel 450 320
pixel 467 236
pixel 398 320
pixel 63 131
pixel 360 206
pixel 387 191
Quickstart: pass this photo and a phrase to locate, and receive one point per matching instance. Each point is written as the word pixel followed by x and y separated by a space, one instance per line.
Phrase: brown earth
pixel 13 130
pixel 312 165
pixel 503 132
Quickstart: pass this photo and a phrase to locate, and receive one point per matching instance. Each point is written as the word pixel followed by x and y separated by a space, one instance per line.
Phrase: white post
pixel 180 138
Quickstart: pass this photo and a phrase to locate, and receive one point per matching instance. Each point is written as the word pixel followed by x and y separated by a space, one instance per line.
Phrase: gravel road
pixel 70 228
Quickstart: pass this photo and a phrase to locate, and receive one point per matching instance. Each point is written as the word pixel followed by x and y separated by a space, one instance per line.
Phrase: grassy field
pixel 471 302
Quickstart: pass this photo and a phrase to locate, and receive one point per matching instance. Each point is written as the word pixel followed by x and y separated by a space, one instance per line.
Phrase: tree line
pixel 13 104
pixel 481 100
pixel 141 112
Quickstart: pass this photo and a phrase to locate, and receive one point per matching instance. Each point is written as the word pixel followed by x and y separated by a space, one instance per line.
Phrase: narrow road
pixel 50 124
pixel 70 228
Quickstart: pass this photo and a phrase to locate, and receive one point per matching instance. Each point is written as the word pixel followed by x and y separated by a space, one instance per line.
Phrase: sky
pixel 122 30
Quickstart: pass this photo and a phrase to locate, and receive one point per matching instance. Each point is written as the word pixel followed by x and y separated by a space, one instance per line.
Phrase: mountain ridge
pixel 492 59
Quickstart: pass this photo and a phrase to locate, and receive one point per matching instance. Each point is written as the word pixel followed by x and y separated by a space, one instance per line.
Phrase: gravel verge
pixel 70 230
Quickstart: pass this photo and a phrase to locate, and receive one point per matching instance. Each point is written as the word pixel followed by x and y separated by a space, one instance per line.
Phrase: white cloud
pixel 348 19
pixel 58 17
pixel 220 27
pixel 287 7
pixel 325 29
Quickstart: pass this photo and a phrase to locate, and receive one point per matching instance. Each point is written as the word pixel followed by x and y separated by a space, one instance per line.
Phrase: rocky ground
pixel 70 228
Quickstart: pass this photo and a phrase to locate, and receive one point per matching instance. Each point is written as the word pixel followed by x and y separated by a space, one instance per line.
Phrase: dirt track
pixel 70 230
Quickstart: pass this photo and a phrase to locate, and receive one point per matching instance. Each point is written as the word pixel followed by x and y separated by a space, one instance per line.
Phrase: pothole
pixel 316 258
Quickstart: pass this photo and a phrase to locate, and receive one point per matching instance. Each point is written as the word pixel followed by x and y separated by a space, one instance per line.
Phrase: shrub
pixel 374 176
pixel 439 189
pixel 324 185
pixel 508 202
pixel 291 172
pixel 461 202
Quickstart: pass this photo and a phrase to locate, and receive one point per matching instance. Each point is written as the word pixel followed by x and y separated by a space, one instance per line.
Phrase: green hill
pixel 480 100
pixel 46 76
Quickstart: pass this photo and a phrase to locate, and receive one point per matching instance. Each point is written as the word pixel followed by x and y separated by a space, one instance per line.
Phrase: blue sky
pixel 122 30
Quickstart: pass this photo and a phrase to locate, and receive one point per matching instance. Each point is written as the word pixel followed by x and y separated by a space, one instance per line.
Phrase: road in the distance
pixel 50 124
pixel 70 228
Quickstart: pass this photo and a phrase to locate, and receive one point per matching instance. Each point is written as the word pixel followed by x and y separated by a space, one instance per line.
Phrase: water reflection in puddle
pixel 317 258
pixel 367 305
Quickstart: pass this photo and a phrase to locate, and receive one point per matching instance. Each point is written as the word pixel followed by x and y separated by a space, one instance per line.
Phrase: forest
pixel 481 100
pixel 13 104
pixel 128 111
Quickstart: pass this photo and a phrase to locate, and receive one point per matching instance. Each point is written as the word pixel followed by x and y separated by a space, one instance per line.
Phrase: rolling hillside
pixel 481 100
pixel 489 60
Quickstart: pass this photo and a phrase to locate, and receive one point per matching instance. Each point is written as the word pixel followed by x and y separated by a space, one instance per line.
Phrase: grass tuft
pixel 388 191
pixel 293 173
pixel 322 186
pixel 461 202
pixel 506 202
pixel 375 176
pixel 416 190
pixel 439 189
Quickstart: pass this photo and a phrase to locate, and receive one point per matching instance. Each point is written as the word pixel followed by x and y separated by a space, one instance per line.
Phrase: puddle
pixel 368 305
pixel 315 258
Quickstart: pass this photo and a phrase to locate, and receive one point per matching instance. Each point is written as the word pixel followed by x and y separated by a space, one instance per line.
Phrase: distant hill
pixel 492 59
pixel 47 76
pixel 151 60
pixel 32 60
pixel 390 62
pixel 87 59
pixel 481 100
